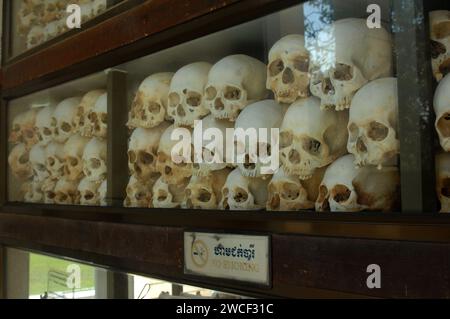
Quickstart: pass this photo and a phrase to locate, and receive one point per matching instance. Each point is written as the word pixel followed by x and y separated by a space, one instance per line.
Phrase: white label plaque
pixel 236 257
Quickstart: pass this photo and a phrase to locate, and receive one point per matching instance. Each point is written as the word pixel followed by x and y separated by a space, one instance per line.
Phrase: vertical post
pixel 17 271
pixel 117 285
pixel 177 290
pixel 117 137
pixel 3 151
pixel 416 117
pixel 6 31
pixel 2 273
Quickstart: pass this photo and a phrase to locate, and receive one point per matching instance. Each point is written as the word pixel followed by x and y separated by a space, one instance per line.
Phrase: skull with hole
pixel 22 130
pixel 143 151
pixel 139 193
pixel 244 193
pixel 214 134
pixel 33 192
pixel 66 192
pixel 347 188
pixel 289 193
pixel 63 118
pixel 94 160
pixel 173 164
pixel 169 195
pixel 311 138
pixel 288 70
pixel 255 152
pixel 19 162
pixel 360 55
pixel 88 193
pixel 442 110
pixel 102 193
pixel 440 43
pixel 73 157
pixel 98 117
pixel 233 83
pixel 186 102
pixel 150 103
pixel 373 123
pixel 205 192
pixel 44 128
pixel 48 190
pixel 55 159
pixel 38 160
pixel 443 181
pixel 81 122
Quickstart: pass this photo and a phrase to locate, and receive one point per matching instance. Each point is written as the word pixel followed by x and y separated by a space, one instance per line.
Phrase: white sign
pixel 235 257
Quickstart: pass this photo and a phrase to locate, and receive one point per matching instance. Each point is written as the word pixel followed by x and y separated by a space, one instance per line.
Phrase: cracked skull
pixel 63 118
pixel 73 153
pixel 94 160
pixel 442 110
pixel 98 117
pixel 169 195
pixel 19 162
pixel 440 43
pixel 81 121
pixel 443 181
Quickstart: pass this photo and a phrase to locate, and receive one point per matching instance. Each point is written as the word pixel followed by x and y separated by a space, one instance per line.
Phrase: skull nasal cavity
pixel 218 105
pixel 294 157
pixel 341 193
pixel 360 146
pixel 180 111
pixel 327 86
pixel 241 196
pixel 95 163
pixel 275 202
pixel 288 76
pixel 204 196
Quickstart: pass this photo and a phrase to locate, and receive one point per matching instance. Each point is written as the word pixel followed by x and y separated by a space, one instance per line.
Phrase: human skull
pixel 64 116
pixel 440 42
pixel 233 83
pixel 268 115
pixel 347 188
pixel 214 133
pixel 289 193
pixel 87 104
pixel 442 110
pixel 94 160
pixel 288 70
pixel 55 159
pixel 244 193
pixel 372 126
pixel 186 102
pixel 73 157
pixel 358 55
pixel 168 195
pixel 443 181
pixel 26 19
pixel 66 192
pixel 22 130
pixel 143 151
pixel 88 193
pixel 19 162
pixel 33 192
pixel 51 11
pixel 98 117
pixel 139 193
pixel 172 165
pixel 36 36
pixel 149 108
pixel 311 138
pixel 38 160
pixel 48 190
pixel 44 126
pixel 205 192
pixel 102 193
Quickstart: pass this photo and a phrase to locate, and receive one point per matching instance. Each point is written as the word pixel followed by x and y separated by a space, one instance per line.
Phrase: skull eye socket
pixel 140 196
pixel 312 146
pixel 443 125
pixel 132 157
pixel 50 195
pixel 341 193
pixel 445 190
pixel 29 134
pixel 62 197
pixel 146 158
pixel 286 139
pixel 66 127
pixel 46 131
pixel 444 68
pixel 104 118
pixel 73 161
pixel 51 161
pixel 211 93
pixel 301 64
pixel 232 93
pixel 204 196
pixel 24 159
pixel 377 131
pixel 276 67
pixel 240 196
pixel 194 99
pixel 290 191
pixel 437 49
pixel 174 99
pixel 343 72
pixel 154 108
pixel 89 195
pixel 323 198
pixel 95 163
pixel 41 168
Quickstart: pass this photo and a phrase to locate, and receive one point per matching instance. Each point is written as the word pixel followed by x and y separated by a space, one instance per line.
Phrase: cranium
pixel 244 193
pixel 66 192
pixel 94 160
pixel 443 181
pixel 26 19
pixel 73 157
pixel 33 192
pixel 265 114
pixel 55 159
pixel 143 151
pixel 139 193
pixel 173 172
pixel 186 103
pixel 36 36
pixel 442 110
pixel 289 193
pixel 205 192
pixel 48 190
pixel 168 196
pixel 51 11
pixel 311 138
pixel 86 106
pixel 88 193
pixel 102 193
pixel 440 42
pixel 233 83
pixel 63 117
pixel 347 188
pixel 358 55
pixel 372 125
pixel 150 103
pixel 44 126
pixel 98 117
pixel 19 162
pixel 38 160
pixel 22 130
pixel 288 70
